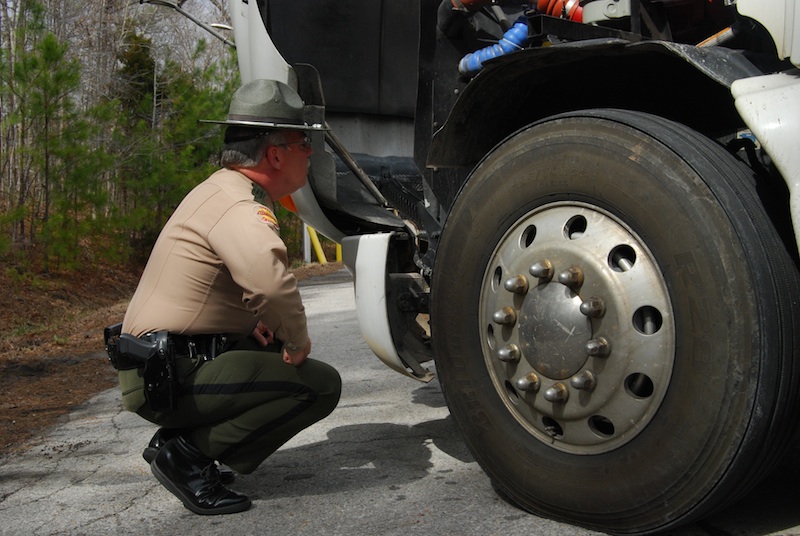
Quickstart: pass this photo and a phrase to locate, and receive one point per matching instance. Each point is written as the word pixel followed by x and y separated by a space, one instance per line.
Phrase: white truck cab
pixel 585 211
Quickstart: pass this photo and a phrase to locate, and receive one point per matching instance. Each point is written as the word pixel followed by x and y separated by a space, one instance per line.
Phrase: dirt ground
pixel 51 345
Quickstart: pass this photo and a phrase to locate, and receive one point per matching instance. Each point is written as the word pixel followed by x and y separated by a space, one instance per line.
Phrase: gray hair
pixel 242 149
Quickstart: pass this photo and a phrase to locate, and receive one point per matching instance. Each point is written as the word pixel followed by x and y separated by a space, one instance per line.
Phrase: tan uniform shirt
pixel 219 266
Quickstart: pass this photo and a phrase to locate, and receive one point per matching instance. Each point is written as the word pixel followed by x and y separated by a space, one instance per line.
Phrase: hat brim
pixel 267 124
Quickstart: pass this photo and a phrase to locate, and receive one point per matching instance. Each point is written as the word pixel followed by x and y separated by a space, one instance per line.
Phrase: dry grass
pixel 51 345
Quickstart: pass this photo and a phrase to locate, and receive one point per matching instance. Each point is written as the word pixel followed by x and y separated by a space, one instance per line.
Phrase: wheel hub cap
pixel 553 332
pixel 579 338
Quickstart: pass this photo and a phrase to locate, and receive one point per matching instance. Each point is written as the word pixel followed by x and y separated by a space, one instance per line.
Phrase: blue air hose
pixel 512 40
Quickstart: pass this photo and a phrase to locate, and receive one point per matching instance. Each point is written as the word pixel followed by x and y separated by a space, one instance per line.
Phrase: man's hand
pixel 262 334
pixel 297 358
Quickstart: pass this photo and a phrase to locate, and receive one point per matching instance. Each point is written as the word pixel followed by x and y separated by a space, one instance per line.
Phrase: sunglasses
pixel 305 145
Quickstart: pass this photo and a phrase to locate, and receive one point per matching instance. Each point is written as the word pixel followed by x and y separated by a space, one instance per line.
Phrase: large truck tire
pixel 612 316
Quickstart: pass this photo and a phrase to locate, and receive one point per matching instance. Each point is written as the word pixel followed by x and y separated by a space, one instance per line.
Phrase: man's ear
pixel 274 157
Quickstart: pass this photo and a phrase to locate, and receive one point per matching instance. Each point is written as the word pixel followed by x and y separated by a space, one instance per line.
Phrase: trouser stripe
pixel 295 389
pixel 249 387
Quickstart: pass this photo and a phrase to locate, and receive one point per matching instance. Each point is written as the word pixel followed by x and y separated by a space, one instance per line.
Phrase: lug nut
pixel 529 383
pixel 517 284
pixel 572 278
pixel 509 354
pixel 593 308
pixel 599 347
pixel 557 393
pixel 542 269
pixel 505 316
pixel 584 380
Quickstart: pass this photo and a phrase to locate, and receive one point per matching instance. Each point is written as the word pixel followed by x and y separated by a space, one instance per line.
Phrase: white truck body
pixel 601 228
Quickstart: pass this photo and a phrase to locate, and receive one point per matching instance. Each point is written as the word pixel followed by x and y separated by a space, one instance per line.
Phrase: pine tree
pixel 171 151
pixel 94 160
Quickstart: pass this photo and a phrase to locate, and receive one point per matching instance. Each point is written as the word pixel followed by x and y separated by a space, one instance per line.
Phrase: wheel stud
pixel 573 277
pixel 529 383
pixel 557 393
pixel 506 316
pixel 509 354
pixel 593 308
pixel 517 284
pixel 584 380
pixel 599 347
pixel 543 270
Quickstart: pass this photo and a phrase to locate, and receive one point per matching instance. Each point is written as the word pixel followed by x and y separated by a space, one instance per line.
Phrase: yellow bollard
pixel 312 233
pixel 338 253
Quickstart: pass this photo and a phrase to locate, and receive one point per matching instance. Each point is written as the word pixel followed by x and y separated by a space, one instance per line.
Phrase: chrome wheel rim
pixel 577 328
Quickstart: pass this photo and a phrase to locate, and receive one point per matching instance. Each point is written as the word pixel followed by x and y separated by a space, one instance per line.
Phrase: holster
pixel 155 355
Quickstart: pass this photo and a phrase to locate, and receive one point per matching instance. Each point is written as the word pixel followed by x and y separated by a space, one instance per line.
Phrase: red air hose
pixel 567 9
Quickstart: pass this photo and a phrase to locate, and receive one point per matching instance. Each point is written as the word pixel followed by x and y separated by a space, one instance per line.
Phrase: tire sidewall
pixel 693 438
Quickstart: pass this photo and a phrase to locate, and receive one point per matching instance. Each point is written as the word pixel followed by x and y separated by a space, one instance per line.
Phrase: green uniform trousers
pixel 242 406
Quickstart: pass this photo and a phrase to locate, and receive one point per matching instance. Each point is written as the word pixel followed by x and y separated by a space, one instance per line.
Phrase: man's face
pixel 296 152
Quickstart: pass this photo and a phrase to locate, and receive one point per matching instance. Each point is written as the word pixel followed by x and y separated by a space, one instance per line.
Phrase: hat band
pixel 255 119
pixel 243 135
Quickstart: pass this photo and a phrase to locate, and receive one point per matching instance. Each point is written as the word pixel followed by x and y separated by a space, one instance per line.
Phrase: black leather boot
pixel 162 435
pixel 193 477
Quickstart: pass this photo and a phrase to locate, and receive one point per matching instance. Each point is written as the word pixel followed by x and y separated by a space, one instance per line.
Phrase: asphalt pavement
pixel 388 461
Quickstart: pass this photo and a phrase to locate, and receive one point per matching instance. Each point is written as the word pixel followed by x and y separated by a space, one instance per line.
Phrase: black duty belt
pixel 205 347
pixel 127 352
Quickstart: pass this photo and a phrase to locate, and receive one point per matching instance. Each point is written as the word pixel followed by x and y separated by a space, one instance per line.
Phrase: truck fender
pixel 770 106
pixel 366 257
pixel 684 83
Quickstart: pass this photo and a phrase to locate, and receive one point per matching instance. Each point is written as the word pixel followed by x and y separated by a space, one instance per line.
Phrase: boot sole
pixel 187 502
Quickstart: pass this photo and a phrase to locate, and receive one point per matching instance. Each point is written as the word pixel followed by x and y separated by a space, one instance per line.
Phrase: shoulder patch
pixel 265 215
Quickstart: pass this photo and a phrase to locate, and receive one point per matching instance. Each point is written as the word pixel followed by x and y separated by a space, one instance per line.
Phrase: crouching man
pixel 214 346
